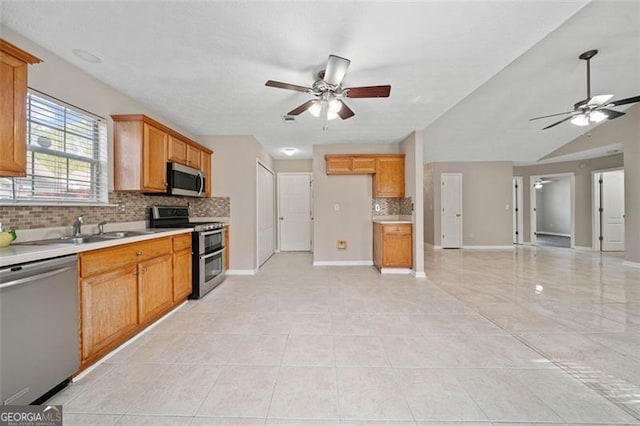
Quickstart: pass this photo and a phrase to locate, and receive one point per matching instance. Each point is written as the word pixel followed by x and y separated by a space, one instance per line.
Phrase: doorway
pixel 451 201
pixel 608 210
pixel 553 210
pixel 518 211
pixel 294 211
pixel 265 214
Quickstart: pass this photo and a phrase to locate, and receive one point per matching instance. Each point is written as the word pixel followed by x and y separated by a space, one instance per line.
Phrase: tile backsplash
pixel 128 207
pixel 392 206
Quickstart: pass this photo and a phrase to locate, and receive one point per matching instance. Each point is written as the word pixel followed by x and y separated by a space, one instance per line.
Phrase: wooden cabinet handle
pixel 139 253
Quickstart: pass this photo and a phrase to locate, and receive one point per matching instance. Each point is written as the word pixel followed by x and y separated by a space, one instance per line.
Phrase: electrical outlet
pixel 336 207
pixel 377 207
pixel 342 244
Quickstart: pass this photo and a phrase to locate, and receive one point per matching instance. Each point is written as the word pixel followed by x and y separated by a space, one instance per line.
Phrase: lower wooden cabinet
pixel 125 288
pixel 109 310
pixel 392 245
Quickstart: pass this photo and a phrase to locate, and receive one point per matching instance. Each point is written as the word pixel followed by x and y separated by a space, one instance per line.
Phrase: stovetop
pixel 178 217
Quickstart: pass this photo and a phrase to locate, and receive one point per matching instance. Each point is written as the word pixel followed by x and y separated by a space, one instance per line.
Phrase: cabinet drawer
pixel 181 242
pixel 101 260
pixel 399 229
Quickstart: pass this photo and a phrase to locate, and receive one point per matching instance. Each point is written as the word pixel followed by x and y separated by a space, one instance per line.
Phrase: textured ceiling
pixel 204 64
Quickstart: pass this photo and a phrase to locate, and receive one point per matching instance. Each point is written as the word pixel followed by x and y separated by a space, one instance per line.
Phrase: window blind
pixel 66 155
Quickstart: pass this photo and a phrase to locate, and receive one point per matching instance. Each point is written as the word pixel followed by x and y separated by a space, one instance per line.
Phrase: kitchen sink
pixel 84 239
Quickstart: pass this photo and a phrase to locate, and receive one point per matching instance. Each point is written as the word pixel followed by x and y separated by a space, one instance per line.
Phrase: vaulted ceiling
pixel 468 72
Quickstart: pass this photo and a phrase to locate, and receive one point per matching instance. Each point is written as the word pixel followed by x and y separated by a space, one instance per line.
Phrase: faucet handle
pixel 101 227
pixel 80 219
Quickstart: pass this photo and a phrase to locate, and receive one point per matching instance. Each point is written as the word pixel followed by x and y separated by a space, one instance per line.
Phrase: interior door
pixel 451 219
pixel 266 214
pixel 294 201
pixel 517 210
pixel 612 193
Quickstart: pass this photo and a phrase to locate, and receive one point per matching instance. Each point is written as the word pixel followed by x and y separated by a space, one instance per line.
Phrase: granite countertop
pixel 18 253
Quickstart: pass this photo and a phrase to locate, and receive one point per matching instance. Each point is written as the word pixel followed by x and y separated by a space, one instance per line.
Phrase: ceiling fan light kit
pixel 329 92
pixel 592 109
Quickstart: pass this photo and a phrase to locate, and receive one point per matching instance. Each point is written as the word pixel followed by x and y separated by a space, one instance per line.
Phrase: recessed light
pixel 86 56
pixel 289 151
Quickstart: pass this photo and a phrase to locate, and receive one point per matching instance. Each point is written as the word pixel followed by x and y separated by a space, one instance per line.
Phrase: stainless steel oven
pixel 207 242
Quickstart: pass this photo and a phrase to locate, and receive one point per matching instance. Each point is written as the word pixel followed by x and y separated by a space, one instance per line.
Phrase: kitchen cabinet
pixel 350 164
pixel 13 86
pixel 206 171
pixel 125 288
pixel 388 181
pixel 392 245
pixel 141 149
pixel 182 286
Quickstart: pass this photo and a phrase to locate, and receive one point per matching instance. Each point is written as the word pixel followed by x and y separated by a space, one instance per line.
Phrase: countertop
pixel 391 222
pixel 16 253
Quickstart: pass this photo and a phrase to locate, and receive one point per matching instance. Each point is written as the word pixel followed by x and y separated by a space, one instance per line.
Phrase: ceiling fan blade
pixel 611 114
pixel 368 92
pixel 625 101
pixel 345 112
pixel 599 100
pixel 558 122
pixel 302 108
pixel 281 85
pixel 336 70
pixel 552 115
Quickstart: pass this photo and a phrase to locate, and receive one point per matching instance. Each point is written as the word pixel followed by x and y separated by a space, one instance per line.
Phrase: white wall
pixel 353 193
pixel 293 166
pixel 235 176
pixel 553 207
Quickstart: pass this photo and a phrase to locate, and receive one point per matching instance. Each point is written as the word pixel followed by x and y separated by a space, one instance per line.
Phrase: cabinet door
pixel 388 182
pixel 193 157
pixel 177 150
pixel 155 288
pixel 337 165
pixel 206 171
pixel 154 159
pixel 397 252
pixel 182 285
pixel 109 310
pixel 364 165
pixel 13 141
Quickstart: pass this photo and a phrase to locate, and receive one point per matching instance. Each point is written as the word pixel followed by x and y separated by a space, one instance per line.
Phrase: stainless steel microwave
pixel 183 180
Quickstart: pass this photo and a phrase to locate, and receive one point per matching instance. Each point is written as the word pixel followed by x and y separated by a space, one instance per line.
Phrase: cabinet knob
pixel 144 270
pixel 134 273
pixel 139 253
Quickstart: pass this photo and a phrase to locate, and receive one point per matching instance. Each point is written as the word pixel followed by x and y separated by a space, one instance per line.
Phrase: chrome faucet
pixel 101 227
pixel 77 226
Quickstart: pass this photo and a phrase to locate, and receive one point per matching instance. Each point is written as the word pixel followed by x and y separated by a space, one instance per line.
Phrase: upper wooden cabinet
pixel 388 181
pixel 387 171
pixel 141 149
pixel 13 98
pixel 350 164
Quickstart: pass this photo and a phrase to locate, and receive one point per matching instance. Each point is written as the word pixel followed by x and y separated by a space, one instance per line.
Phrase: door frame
pixel 519 204
pixel 442 175
pixel 273 175
pixel 532 207
pixel 278 206
pixel 595 207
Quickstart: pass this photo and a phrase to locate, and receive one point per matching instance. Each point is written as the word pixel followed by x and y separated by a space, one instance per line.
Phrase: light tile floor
pixel 534 335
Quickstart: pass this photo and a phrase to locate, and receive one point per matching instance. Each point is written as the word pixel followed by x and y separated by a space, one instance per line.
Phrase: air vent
pixel 289 119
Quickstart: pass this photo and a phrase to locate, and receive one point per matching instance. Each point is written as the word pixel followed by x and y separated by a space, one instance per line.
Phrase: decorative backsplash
pixel 128 207
pixel 392 206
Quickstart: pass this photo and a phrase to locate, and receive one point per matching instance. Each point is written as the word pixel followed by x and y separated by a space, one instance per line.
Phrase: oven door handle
pixel 215 253
pixel 207 233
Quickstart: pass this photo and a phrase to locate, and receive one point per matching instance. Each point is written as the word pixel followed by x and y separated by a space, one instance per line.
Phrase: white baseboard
pixel 402 271
pixel 511 247
pixel 632 264
pixel 342 262
pixel 437 247
pixel 553 234
pixel 583 248
pixel 419 275
pixel 241 272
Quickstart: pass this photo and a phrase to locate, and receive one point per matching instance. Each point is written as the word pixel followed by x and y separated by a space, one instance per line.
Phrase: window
pixel 66 155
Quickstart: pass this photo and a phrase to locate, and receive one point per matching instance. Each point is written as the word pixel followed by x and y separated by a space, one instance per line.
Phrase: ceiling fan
pixel 539 182
pixel 592 109
pixel 329 92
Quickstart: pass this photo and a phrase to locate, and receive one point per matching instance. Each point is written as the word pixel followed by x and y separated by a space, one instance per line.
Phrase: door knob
pixel 458 215
pixel 281 218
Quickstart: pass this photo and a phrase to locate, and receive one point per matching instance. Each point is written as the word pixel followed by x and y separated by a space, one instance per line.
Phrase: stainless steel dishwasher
pixel 39 348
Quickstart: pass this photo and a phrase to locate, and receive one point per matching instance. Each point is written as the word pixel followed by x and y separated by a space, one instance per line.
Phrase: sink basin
pixel 122 234
pixel 83 239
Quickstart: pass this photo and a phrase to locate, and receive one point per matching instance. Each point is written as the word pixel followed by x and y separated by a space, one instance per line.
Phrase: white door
pixel 266 214
pixel 451 219
pixel 518 212
pixel 294 203
pixel 612 193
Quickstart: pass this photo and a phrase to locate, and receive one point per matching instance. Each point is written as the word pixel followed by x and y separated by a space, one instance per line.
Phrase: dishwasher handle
pixel 34 277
